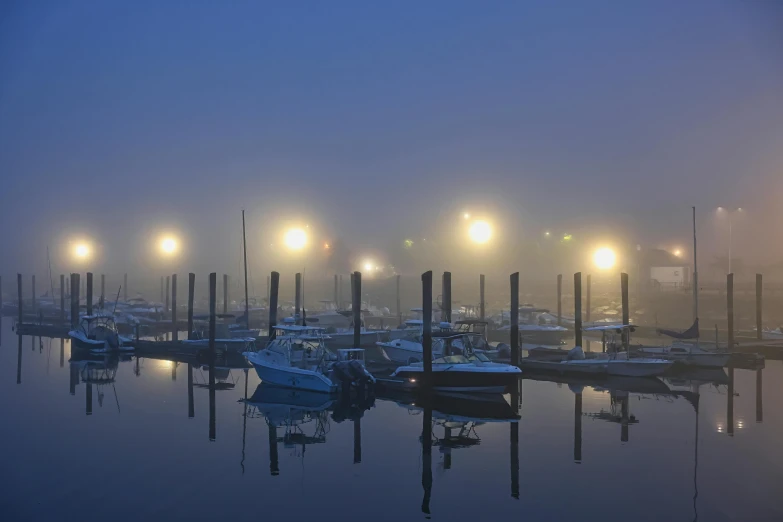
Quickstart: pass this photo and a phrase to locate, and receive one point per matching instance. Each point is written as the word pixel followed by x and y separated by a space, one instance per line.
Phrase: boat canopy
pixel 295 328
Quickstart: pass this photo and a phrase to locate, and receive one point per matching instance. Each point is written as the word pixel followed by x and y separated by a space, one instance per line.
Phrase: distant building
pixel 663 270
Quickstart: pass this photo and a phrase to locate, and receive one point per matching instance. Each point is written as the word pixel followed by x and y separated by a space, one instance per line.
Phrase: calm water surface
pixel 132 449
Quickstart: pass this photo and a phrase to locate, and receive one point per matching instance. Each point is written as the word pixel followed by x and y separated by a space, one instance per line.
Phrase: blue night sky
pixel 381 120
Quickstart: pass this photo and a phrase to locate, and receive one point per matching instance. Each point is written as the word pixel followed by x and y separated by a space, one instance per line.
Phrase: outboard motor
pixel 357 371
pixel 342 371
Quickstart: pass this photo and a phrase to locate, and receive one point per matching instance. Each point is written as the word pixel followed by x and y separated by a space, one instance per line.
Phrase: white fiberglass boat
pixel 296 357
pixel 460 373
pixel 98 333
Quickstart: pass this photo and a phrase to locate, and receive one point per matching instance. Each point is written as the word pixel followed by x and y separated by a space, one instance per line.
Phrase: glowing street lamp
pixel 480 231
pixel 604 258
pixel 677 252
pixel 466 215
pixel 168 246
pixel 81 251
pixel 368 265
pixel 295 239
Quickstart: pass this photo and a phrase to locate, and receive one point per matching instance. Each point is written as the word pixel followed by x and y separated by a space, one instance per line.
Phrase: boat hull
pixel 633 368
pixel 457 381
pixel 295 378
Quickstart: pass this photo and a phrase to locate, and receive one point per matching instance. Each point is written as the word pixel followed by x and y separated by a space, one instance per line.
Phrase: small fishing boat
pixel 296 357
pixel 98 333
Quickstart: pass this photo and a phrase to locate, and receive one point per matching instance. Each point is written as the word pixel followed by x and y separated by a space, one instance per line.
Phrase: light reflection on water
pixel 139 439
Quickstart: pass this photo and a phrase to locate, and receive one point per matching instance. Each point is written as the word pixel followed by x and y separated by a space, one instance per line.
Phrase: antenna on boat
pixel 116 300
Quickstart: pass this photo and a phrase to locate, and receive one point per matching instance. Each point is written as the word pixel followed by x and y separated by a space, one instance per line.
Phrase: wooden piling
pixel 273 290
pixel 191 293
pixel 758 307
pixel 62 299
pixel 162 294
pixel 125 287
pixel 62 353
pixel 578 427
pixel 167 310
pixel 514 318
pixel 399 306
pixel 75 285
pixel 298 298
pixel 588 284
pixel 32 296
pixel 103 288
pixel 426 301
pixel 89 293
pixel 174 329
pixel 446 291
pixel 212 299
pixel 626 310
pixel 225 295
pixel 559 299
pixel 482 310
pixel 19 300
pixel 336 304
pixel 340 306
pixel 357 309
pixel 730 308
pixel 68 286
pixel 578 308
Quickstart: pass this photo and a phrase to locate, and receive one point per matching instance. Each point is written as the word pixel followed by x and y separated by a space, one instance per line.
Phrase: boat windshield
pixel 478 357
pixel 451 359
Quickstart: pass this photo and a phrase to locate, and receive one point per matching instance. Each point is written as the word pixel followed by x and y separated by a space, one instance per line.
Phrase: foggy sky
pixel 379 122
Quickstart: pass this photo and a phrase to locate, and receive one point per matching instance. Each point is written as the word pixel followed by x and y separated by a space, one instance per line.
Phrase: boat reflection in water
pixel 304 418
pixel 99 371
pixel 458 415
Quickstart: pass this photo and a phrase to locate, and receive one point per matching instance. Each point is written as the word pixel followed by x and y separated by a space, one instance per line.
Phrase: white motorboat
pixel 463 373
pixel 410 349
pixel 98 333
pixel 296 357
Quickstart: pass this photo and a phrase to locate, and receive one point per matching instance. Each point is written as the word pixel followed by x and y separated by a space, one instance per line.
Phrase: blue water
pixel 138 455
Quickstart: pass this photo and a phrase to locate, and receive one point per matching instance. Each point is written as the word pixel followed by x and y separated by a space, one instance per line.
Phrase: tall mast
pixel 695 273
pixel 244 252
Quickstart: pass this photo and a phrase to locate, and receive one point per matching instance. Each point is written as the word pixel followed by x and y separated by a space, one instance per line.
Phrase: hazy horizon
pixel 375 124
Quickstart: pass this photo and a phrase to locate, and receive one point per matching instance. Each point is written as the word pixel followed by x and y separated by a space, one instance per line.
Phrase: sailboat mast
pixel 244 252
pixel 695 273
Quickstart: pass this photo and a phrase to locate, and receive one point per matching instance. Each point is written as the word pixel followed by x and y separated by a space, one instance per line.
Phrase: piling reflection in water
pixel 19 363
pixel 759 405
